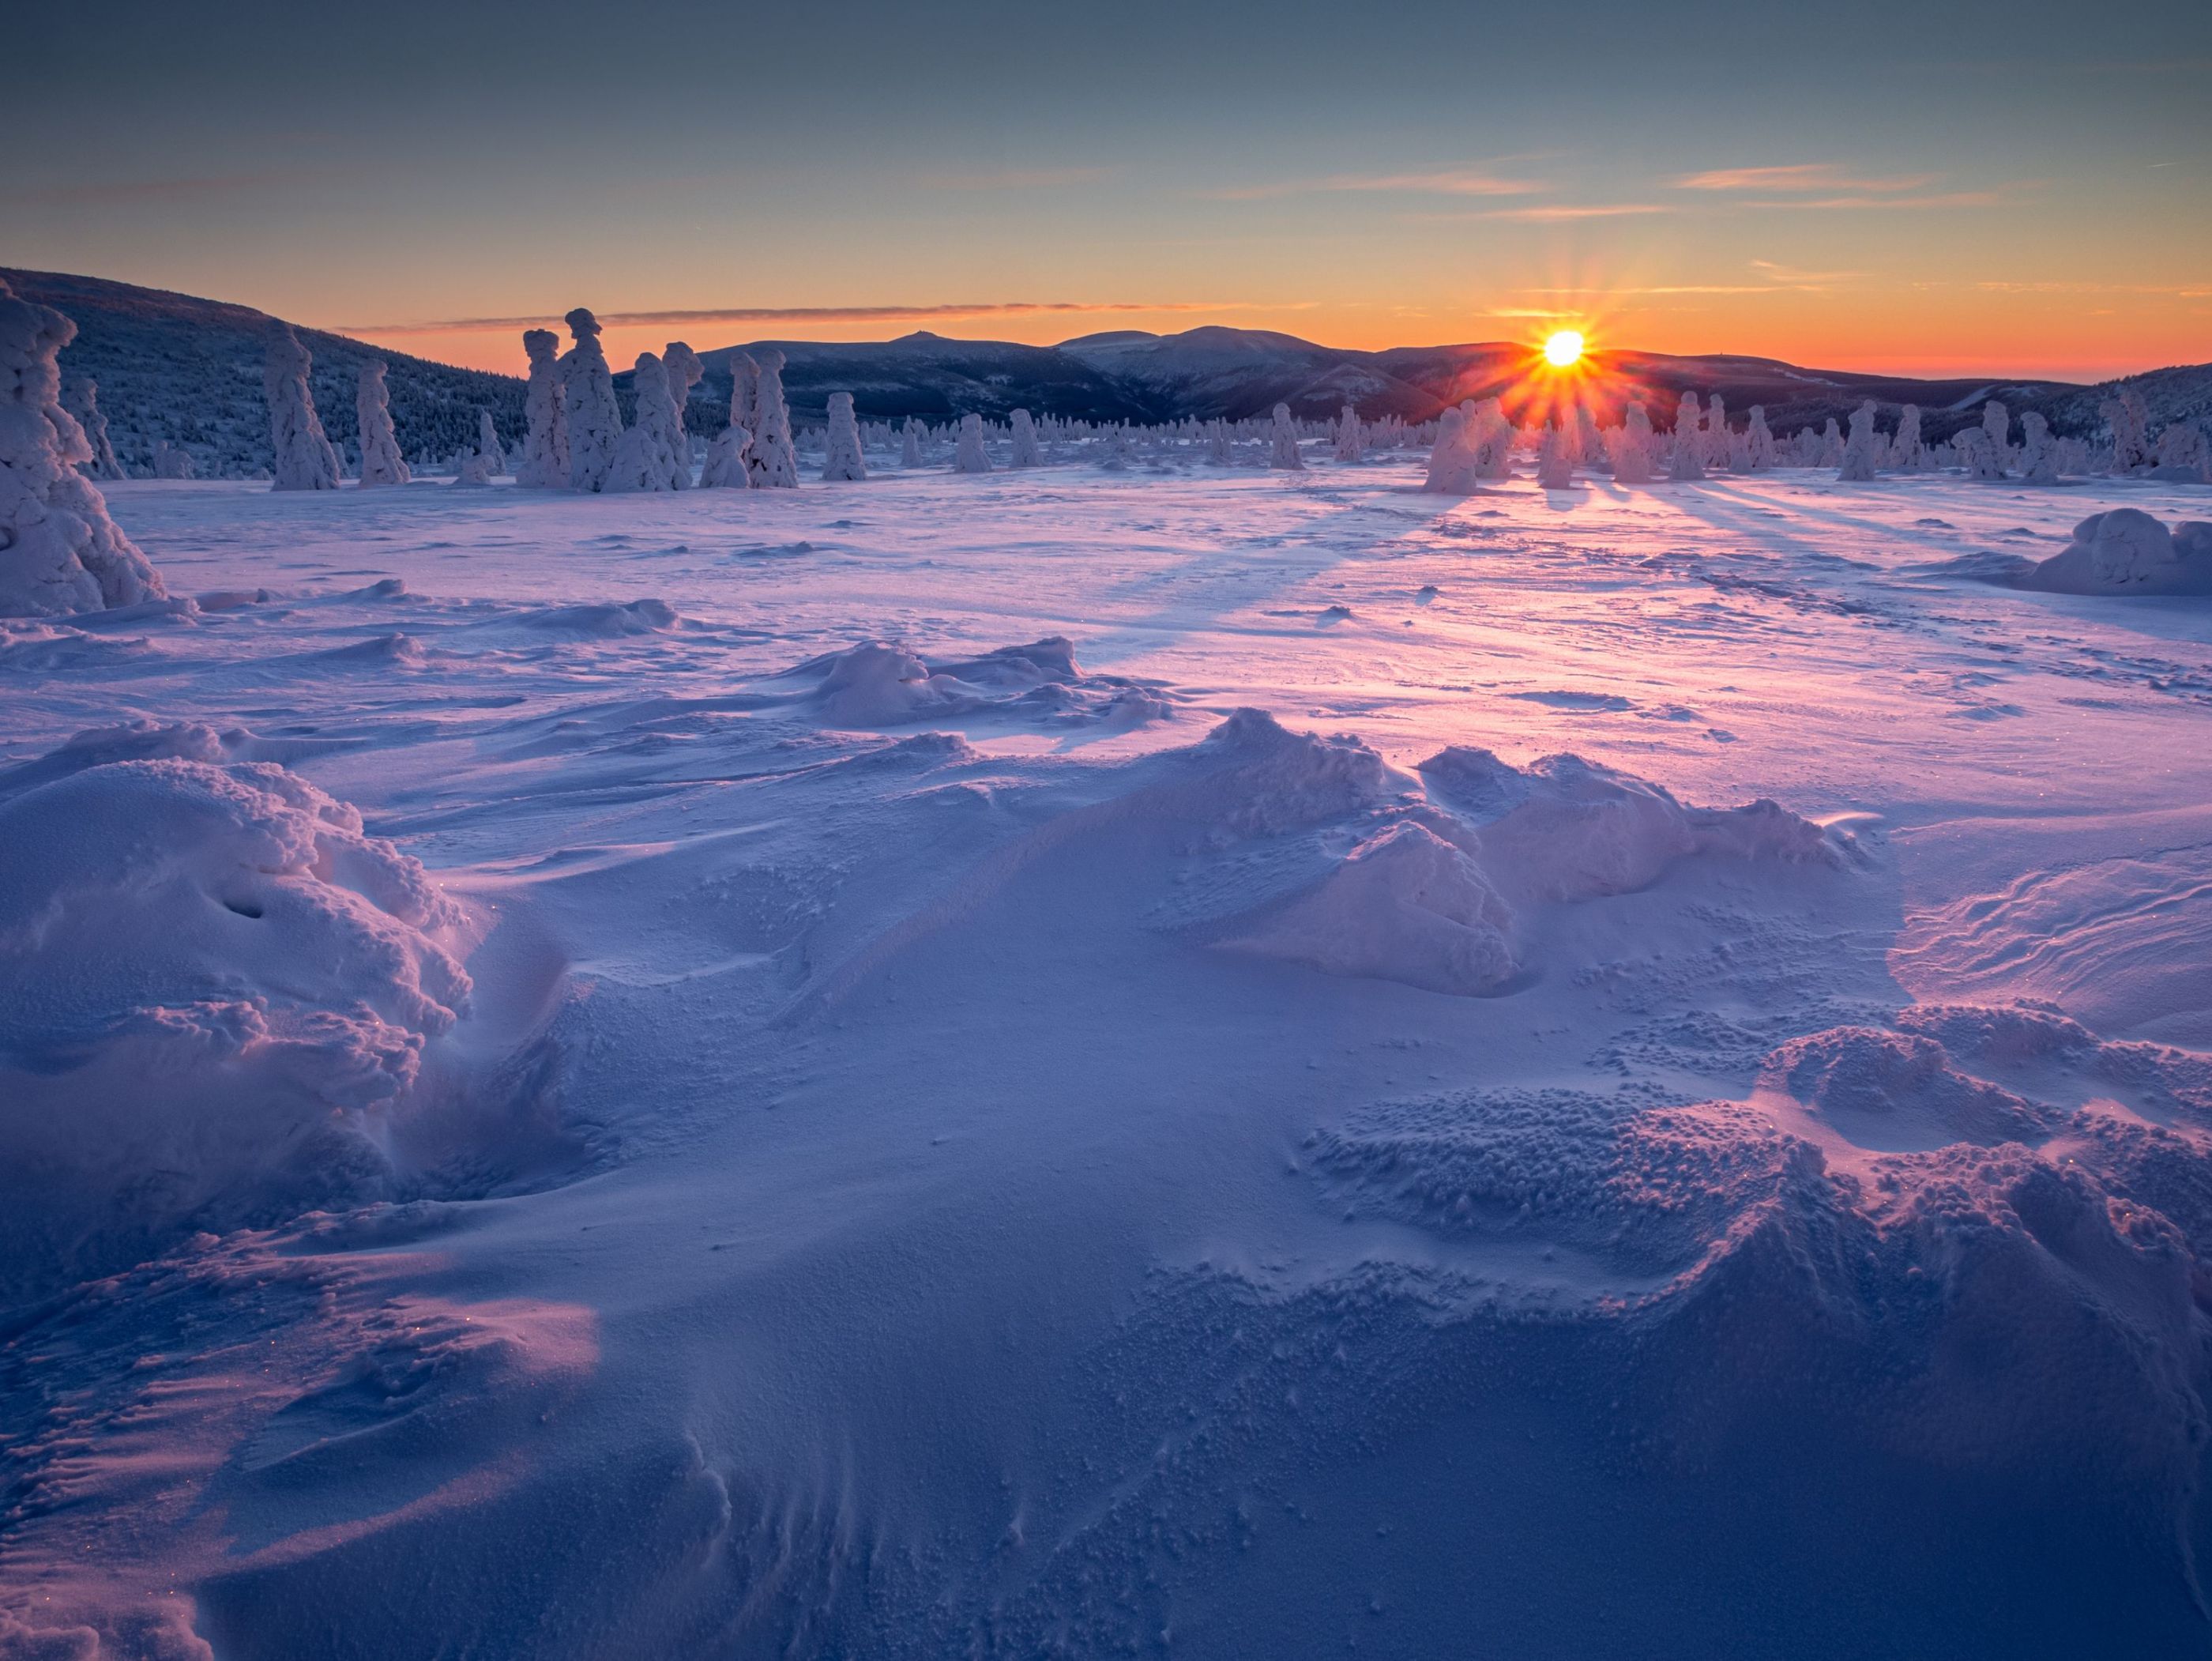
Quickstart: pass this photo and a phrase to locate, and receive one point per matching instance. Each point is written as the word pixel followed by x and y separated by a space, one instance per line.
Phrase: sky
pixel 1965 188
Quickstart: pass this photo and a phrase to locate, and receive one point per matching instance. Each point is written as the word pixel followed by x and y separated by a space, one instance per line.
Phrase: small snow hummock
pixel 380 460
pixel 1283 441
pixel 1027 452
pixel 588 406
pixel 842 460
pixel 2126 552
pixel 59 551
pixel 305 461
pixel 84 404
pixel 774 463
pixel 971 457
pixel 652 454
pixel 544 464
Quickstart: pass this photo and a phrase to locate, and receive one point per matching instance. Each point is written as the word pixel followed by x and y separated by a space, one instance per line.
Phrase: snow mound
pixel 1882 1086
pixel 879 683
pixel 607 620
pixel 227 929
pixel 2126 552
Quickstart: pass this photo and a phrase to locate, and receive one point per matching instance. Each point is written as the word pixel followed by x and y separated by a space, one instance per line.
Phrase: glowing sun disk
pixel 1563 348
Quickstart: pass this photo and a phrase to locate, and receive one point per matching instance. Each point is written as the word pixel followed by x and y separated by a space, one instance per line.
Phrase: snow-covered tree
pixel 726 468
pixel 970 456
pixel 911 443
pixel 173 461
pixel 305 461
pixel 1831 445
pixel 1630 444
pixel 380 460
pixel 1218 451
pixel 1554 469
pixel 1997 422
pixel 2131 424
pixel 1906 452
pixel 2182 448
pixel 59 551
pixel 1857 464
pixel 652 454
pixel 544 464
pixel 1028 452
pixel 487 444
pixel 841 459
pixel 774 464
pixel 1351 436
pixel 84 404
pixel 1713 438
pixel 1489 435
pixel 1453 469
pixel 1687 463
pixel 685 371
pixel 472 469
pixel 1283 440
pixel 588 409
pixel 1759 441
pixel 2039 451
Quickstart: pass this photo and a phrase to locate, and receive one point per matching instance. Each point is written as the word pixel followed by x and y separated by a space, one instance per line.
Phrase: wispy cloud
pixel 1017 179
pixel 2195 291
pixel 1797 176
pixel 810 315
pixel 1944 199
pixel 1450 181
pixel 1553 212
pixel 1789 276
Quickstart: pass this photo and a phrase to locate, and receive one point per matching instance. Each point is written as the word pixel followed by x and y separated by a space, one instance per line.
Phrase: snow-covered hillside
pixel 1158 1061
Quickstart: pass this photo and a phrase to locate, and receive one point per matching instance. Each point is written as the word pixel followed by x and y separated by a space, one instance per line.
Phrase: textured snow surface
pixel 1081 1061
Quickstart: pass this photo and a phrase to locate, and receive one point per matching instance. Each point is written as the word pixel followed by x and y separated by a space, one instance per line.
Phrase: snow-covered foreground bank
pixel 1041 1064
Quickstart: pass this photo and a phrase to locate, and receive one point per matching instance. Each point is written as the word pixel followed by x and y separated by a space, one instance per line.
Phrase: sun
pixel 1562 349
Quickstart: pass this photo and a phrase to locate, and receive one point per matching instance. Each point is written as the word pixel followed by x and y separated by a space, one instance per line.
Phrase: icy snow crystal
pixel 588 407
pixel 380 460
pixel 85 406
pixel 841 459
pixel 544 464
pixel 305 461
pixel 59 551
pixel 971 457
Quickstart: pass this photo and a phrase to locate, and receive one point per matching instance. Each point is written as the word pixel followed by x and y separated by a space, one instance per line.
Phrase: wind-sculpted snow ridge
pixel 213 984
pixel 1447 893
pixel 879 683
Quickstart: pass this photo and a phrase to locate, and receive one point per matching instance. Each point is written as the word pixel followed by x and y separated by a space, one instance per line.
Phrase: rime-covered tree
pixel 1218 452
pixel 1283 440
pixel 1996 421
pixel 1713 446
pixel 1027 453
pixel 1554 469
pixel 1906 452
pixel 1857 464
pixel 173 461
pixel 1759 441
pixel 305 459
pixel 911 443
pixel 84 404
pixel 1687 463
pixel 1452 466
pixel 59 551
pixel 544 464
pixel 774 464
pixel 380 460
pixel 1630 443
pixel 685 371
pixel 841 459
pixel 969 456
pixel 1351 436
pixel 2039 451
pixel 487 444
pixel 588 409
pixel 652 454
pixel 726 467
pixel 2131 424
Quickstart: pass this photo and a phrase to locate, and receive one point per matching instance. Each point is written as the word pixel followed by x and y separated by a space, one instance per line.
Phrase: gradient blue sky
pixel 2023 187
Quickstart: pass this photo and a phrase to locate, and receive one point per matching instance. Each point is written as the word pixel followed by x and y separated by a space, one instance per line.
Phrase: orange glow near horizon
pixel 1563 349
